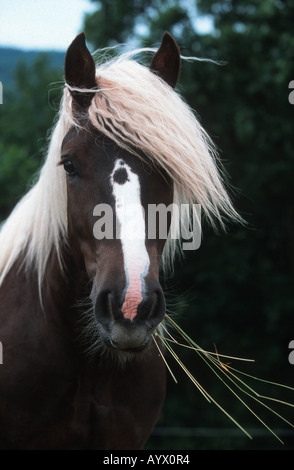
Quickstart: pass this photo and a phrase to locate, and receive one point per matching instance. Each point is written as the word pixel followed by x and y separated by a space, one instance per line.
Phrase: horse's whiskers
pixel 88 337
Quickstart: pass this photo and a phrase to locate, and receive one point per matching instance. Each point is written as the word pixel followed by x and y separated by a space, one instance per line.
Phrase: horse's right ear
pixel 80 70
pixel 166 62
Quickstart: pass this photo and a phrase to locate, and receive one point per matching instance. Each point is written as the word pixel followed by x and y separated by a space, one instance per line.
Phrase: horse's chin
pixel 121 357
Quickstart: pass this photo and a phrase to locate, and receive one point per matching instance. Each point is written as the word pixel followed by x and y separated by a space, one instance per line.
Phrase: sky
pixel 41 24
pixel 49 24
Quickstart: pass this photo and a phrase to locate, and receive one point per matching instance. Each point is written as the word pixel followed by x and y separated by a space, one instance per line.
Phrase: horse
pixel 82 368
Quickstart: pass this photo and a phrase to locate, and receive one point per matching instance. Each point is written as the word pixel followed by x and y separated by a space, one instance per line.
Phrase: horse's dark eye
pixel 69 167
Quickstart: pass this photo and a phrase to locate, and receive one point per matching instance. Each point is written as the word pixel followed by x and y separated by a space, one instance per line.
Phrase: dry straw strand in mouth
pixel 224 372
pixel 208 397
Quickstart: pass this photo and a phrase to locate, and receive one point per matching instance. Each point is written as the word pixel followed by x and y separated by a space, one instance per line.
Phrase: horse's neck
pixel 34 329
pixel 59 290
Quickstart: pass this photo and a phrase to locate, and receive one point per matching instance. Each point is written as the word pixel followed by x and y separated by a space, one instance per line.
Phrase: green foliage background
pixel 236 291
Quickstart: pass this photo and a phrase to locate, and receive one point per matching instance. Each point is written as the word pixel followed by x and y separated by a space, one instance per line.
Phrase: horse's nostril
pixel 153 308
pixel 107 307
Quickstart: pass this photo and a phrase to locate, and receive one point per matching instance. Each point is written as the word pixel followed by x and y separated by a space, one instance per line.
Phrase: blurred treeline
pixel 235 293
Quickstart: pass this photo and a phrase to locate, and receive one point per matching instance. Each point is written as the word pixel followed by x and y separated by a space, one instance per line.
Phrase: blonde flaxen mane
pixel 137 110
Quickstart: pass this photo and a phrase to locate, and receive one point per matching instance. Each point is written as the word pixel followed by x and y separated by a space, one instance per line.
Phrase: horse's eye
pixel 69 167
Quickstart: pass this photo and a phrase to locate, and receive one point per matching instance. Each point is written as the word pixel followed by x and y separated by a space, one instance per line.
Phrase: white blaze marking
pixel 130 215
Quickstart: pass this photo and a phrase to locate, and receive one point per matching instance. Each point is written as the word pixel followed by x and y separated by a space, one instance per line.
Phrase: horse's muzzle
pixel 122 333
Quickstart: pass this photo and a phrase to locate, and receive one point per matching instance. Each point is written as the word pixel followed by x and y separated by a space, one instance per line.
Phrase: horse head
pixel 109 192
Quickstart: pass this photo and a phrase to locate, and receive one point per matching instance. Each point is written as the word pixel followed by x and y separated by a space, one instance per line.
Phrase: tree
pixel 26 116
pixel 117 22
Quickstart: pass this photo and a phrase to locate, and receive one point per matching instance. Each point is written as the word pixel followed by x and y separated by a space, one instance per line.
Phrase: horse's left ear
pixel 167 60
pixel 80 70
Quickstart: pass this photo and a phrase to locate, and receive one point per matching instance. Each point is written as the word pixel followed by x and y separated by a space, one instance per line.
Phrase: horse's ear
pixel 80 70
pixel 167 60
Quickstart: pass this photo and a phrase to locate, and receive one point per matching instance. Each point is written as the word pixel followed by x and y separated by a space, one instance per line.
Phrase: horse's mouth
pixel 134 350
pixel 135 343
